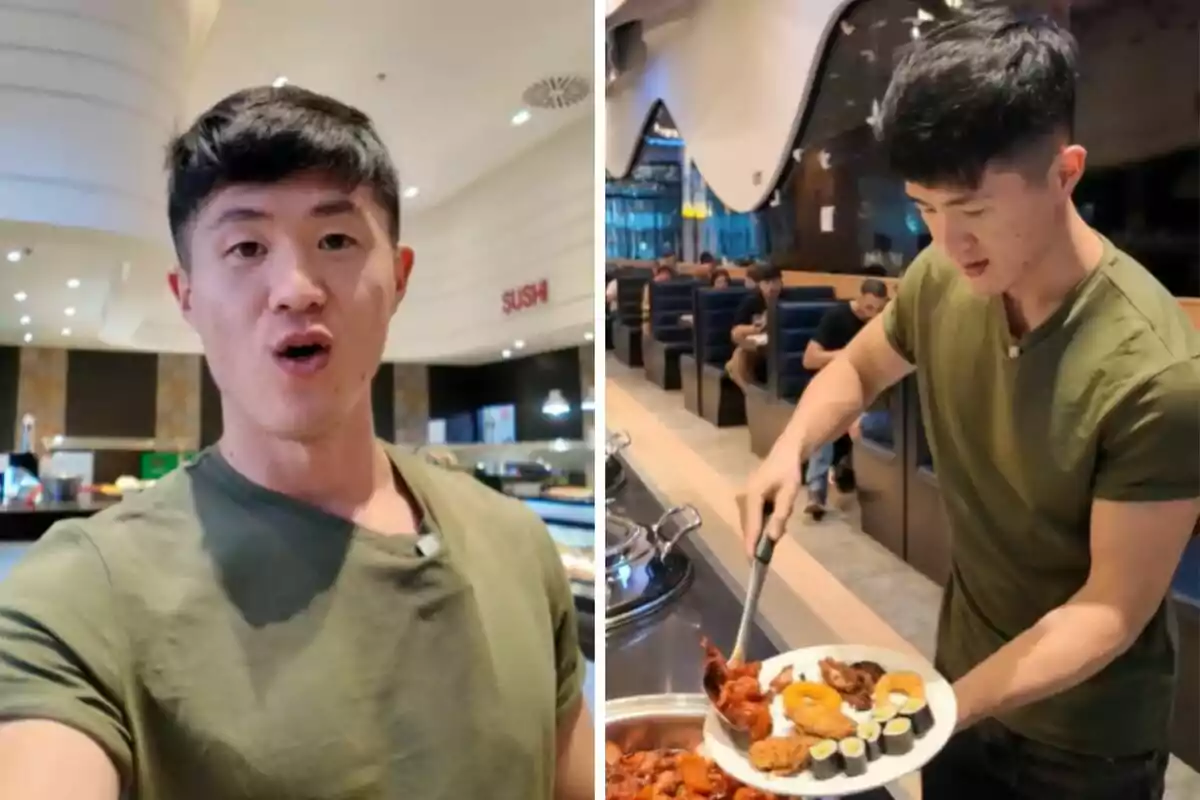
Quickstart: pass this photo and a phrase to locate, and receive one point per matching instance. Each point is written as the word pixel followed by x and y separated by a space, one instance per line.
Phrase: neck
pixel 306 469
pixel 1069 258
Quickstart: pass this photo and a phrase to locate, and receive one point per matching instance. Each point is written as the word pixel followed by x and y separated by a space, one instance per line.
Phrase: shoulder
pixel 452 491
pixel 1139 320
pixel 154 518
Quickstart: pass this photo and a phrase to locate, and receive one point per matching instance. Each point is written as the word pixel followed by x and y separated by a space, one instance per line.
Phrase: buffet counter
pixel 660 654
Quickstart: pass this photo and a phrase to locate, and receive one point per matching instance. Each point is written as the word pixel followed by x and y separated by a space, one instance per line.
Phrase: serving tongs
pixel 714 675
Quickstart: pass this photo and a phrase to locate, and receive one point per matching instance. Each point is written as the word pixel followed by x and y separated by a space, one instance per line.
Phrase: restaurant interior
pixel 714 150
pixel 103 388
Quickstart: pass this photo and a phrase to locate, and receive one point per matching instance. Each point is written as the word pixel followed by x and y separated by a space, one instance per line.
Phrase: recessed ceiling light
pixel 519 344
pixel 521 117
pixel 280 82
pixel 73 283
pixel 506 353
pixel 28 338
pixel 66 331
pixel 15 255
pixel 588 336
pixel 20 297
pixel 25 320
pixel 70 312
pixel 411 192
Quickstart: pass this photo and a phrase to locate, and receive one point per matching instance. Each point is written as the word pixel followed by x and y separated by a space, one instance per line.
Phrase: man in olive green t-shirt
pixel 303 612
pixel 1060 392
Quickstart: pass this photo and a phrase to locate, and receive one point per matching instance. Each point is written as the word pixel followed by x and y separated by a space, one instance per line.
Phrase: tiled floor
pixel 893 590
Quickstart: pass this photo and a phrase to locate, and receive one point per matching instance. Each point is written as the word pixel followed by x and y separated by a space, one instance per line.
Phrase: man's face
pixel 661 275
pixel 998 231
pixel 771 288
pixel 291 287
pixel 869 306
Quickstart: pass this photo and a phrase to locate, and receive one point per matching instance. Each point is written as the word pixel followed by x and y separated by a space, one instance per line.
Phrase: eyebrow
pixel 958 200
pixel 328 208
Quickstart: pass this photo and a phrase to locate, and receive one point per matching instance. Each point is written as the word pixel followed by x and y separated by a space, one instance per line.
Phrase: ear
pixel 1069 167
pixel 181 288
pixel 403 266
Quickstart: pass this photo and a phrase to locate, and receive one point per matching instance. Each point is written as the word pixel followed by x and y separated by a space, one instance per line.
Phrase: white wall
pixel 529 220
pixel 735 76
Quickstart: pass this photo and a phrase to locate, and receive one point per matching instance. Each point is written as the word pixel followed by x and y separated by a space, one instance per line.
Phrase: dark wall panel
pixel 10 375
pixel 524 382
pixel 111 393
pixel 383 402
pixel 210 407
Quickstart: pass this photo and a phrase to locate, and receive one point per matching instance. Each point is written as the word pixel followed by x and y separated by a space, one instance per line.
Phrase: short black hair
pixel 874 287
pixel 267 134
pixel 768 272
pixel 987 86
pixel 707 258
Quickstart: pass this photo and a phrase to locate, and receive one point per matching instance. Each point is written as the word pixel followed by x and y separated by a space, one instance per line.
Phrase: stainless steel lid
pixel 643 572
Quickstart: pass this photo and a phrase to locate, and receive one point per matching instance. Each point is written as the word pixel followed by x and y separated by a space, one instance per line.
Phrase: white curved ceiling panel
pixel 735 77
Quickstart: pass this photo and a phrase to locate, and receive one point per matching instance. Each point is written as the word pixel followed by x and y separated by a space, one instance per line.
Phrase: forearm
pixel 44 760
pixel 817 360
pixel 828 406
pixel 1066 647
pixel 740 332
pixel 574 775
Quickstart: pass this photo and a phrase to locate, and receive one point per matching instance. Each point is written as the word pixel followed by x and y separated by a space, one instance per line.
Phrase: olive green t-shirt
pixel 1102 401
pixel 221 641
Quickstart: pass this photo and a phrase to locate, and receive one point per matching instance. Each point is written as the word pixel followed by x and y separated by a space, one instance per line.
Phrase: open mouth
pixel 304 353
pixel 976 267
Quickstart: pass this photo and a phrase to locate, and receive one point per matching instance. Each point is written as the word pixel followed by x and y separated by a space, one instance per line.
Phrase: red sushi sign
pixel 528 296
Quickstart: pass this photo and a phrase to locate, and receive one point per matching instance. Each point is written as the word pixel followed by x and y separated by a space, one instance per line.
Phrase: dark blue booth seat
pixel 792 325
pixel 668 339
pixel 721 401
pixel 627 321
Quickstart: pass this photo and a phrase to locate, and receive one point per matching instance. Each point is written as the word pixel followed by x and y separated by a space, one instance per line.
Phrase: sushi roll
pixel 898 736
pixel 823 759
pixel 854 756
pixel 871 732
pixel 884 713
pixel 917 711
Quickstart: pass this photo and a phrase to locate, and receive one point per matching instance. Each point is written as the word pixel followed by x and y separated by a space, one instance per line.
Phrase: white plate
pixel 882 770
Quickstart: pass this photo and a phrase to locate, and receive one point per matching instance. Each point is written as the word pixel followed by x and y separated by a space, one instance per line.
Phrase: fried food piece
pixel 612 753
pixel 871 669
pixel 693 771
pixel 811 693
pixel 821 721
pixel 781 755
pixel 908 684
pixel 854 682
pixel 782 680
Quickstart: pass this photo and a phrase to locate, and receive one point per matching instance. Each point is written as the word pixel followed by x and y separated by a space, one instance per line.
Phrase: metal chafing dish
pixel 614 470
pixel 650 722
pixel 643 572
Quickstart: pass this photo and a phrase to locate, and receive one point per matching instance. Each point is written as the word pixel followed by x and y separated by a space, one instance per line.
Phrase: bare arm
pixel 739 332
pixel 835 398
pixel 44 760
pixel 575 777
pixel 1128 580
pixel 816 357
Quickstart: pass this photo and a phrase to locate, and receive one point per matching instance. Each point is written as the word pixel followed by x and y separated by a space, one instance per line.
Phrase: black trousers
pixel 990 762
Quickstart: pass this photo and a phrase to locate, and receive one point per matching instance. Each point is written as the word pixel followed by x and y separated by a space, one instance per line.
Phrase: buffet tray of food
pixel 654 748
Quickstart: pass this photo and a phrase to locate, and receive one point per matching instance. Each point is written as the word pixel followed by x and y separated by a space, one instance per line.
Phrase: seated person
pixel 750 319
pixel 719 279
pixel 839 325
pixel 665 271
